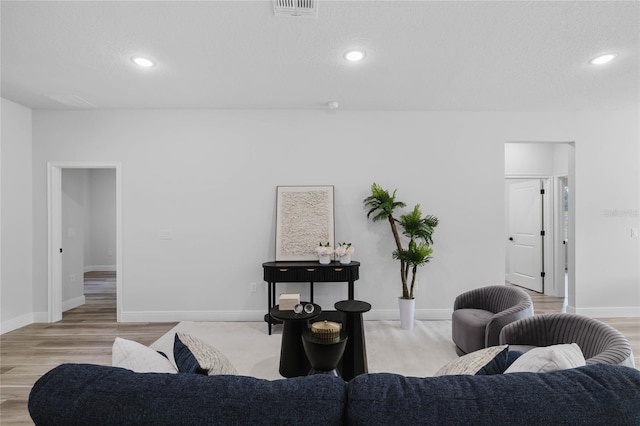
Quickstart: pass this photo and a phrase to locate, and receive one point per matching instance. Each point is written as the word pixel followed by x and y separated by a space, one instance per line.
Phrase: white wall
pixel 210 177
pixel 16 291
pixel 529 159
pixel 100 248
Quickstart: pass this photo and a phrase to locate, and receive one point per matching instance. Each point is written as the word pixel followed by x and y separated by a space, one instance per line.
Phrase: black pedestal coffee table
pixel 293 361
pixel 324 355
pixel 354 360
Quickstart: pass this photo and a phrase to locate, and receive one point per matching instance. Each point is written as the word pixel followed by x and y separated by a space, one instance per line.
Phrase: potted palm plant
pixel 418 229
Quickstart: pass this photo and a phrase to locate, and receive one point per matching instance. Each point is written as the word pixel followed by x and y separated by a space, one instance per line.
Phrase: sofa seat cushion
pixel 592 395
pixel 99 395
pixel 468 328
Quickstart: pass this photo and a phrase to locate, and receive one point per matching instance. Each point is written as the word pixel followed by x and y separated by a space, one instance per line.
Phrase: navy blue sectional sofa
pixel 84 394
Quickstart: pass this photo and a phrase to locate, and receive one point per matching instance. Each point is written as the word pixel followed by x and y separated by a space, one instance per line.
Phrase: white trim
pixel 16 323
pixel 54 214
pixel 175 316
pixel 258 316
pixel 40 317
pixel 100 268
pixel 608 312
pixel 420 314
pixel 558 248
pixel 73 303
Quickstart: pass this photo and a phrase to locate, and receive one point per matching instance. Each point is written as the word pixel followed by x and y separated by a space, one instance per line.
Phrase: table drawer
pixel 282 275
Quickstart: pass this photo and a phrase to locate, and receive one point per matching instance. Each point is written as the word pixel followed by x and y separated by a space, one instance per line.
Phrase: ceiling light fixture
pixel 603 59
pixel 142 61
pixel 354 55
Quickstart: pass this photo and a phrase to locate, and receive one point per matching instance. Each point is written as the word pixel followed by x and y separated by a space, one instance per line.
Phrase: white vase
pixel 324 259
pixel 407 312
pixel 346 259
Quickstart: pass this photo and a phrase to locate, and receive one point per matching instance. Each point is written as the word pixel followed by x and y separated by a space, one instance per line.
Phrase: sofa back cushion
pixel 596 394
pixel 99 395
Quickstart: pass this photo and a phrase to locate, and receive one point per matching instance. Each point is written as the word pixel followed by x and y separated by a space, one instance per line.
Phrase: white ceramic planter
pixel 325 260
pixel 407 312
pixel 346 259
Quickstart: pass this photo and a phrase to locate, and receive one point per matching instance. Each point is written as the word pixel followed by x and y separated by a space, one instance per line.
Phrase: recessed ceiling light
pixel 603 59
pixel 142 61
pixel 354 55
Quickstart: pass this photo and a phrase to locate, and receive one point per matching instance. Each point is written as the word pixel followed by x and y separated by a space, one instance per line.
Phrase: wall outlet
pixel 634 232
pixel 72 277
pixel 253 287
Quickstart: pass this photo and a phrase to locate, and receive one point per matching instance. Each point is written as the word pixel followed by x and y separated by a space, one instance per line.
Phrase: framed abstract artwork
pixel 304 219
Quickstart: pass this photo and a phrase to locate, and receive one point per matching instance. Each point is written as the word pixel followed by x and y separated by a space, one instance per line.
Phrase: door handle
pixel 510 238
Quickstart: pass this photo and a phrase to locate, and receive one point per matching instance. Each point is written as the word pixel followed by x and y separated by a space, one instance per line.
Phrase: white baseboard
pixel 16 323
pixel 420 314
pixel 176 316
pixel 100 268
pixel 40 317
pixel 73 303
pixel 602 312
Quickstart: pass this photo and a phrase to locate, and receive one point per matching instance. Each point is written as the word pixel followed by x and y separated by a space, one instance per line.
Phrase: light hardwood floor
pixel 86 334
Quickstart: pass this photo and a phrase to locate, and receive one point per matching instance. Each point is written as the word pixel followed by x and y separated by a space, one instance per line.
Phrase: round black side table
pixel 354 359
pixel 293 361
pixel 323 355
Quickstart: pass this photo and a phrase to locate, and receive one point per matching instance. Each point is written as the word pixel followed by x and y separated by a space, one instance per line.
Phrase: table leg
pixel 293 360
pixel 311 291
pixel 269 291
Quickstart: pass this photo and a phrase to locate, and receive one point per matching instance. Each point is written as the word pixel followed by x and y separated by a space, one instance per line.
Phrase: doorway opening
pixel 85 232
pixel 538 216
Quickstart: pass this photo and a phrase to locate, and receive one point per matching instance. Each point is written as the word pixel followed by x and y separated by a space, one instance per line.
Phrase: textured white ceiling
pixel 421 55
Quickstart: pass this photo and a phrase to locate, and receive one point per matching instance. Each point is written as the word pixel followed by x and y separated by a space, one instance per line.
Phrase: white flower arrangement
pixel 324 250
pixel 345 249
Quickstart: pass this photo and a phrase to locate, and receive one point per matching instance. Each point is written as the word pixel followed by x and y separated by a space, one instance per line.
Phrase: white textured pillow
pixel 548 358
pixel 139 358
pixel 471 363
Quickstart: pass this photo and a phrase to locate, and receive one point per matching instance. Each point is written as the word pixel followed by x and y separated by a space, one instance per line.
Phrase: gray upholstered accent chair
pixel 479 315
pixel 599 342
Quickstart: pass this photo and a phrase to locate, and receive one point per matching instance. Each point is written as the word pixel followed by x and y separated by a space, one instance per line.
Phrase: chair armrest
pixel 499 320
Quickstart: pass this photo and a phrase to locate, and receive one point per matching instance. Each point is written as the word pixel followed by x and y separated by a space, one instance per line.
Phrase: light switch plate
pixel 165 234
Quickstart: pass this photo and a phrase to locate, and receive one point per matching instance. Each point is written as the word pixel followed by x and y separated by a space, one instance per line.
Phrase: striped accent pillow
pixel 192 355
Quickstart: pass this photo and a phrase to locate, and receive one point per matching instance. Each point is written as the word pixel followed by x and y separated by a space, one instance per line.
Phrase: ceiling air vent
pixel 296 8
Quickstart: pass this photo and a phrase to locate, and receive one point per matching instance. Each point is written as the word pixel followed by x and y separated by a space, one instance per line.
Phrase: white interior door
pixel 525 241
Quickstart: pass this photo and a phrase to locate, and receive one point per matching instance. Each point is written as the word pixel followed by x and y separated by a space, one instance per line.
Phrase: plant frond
pixel 417 227
pixel 380 203
pixel 417 254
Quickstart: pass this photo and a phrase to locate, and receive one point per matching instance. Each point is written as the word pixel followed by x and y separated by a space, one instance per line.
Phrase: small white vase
pixel 324 259
pixel 346 259
pixel 407 312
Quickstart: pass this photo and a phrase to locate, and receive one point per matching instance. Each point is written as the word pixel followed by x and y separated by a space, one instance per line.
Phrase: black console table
pixel 310 272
